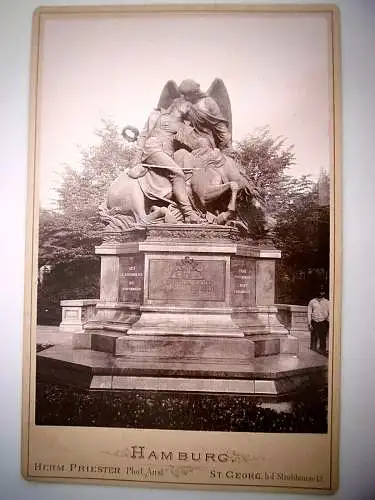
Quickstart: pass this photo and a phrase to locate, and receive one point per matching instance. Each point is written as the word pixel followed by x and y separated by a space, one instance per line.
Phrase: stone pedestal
pixel 187 293
pixel 186 308
pixel 75 313
pixel 294 318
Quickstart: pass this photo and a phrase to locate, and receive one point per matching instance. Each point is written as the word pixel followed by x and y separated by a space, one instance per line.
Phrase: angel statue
pixel 210 112
pixel 182 170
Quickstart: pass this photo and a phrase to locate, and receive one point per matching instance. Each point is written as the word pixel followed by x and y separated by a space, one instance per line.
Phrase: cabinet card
pixel 182 291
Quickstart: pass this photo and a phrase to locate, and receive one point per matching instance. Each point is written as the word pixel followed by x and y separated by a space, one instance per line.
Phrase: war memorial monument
pixel 187 285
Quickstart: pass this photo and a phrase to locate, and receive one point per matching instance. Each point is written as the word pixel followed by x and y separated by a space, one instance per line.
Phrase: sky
pixel 276 68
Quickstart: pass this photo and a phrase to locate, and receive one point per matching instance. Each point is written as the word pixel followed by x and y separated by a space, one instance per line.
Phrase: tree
pixel 265 160
pixel 302 219
pixel 302 234
pixel 68 235
pixel 83 189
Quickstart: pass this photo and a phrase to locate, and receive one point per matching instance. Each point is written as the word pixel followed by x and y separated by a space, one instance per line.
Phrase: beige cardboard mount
pixel 202 459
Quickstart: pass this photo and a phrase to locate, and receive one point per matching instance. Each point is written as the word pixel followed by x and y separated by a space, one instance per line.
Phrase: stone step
pixel 264 376
pixel 269 345
pixel 179 347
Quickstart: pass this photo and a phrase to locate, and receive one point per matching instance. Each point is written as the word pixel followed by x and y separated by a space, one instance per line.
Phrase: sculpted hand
pixel 137 171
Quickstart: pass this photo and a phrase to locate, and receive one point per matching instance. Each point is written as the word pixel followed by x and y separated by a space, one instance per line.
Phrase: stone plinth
pixel 268 377
pixel 187 308
pixel 75 313
pixel 294 318
pixel 177 292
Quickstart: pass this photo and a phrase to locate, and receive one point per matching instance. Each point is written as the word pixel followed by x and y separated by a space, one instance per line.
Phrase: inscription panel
pixel 131 279
pixel 242 272
pixel 187 279
pixel 265 283
pixel 71 314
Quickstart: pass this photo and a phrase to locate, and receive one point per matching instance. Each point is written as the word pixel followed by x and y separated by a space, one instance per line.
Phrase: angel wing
pixel 218 91
pixel 168 94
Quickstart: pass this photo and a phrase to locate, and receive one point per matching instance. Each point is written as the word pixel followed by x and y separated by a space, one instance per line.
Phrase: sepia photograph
pixel 182 302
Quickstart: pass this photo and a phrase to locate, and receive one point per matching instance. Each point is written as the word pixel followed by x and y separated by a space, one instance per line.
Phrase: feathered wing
pixel 168 94
pixel 218 91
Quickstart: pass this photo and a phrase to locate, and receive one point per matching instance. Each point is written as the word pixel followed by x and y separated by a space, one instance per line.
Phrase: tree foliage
pixel 265 160
pixel 302 221
pixel 302 234
pixel 68 235
pixel 72 231
pixel 82 189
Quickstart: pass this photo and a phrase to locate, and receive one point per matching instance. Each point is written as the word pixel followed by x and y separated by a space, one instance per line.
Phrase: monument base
pixel 186 347
pixel 272 377
pixel 186 308
pixel 189 281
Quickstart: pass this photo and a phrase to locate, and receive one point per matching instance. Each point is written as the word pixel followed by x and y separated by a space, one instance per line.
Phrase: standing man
pixel 318 321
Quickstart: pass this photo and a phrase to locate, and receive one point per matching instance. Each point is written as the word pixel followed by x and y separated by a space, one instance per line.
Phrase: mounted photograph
pixel 182 287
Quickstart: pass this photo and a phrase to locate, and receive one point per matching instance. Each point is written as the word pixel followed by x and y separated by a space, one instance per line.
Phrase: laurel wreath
pixel 135 133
